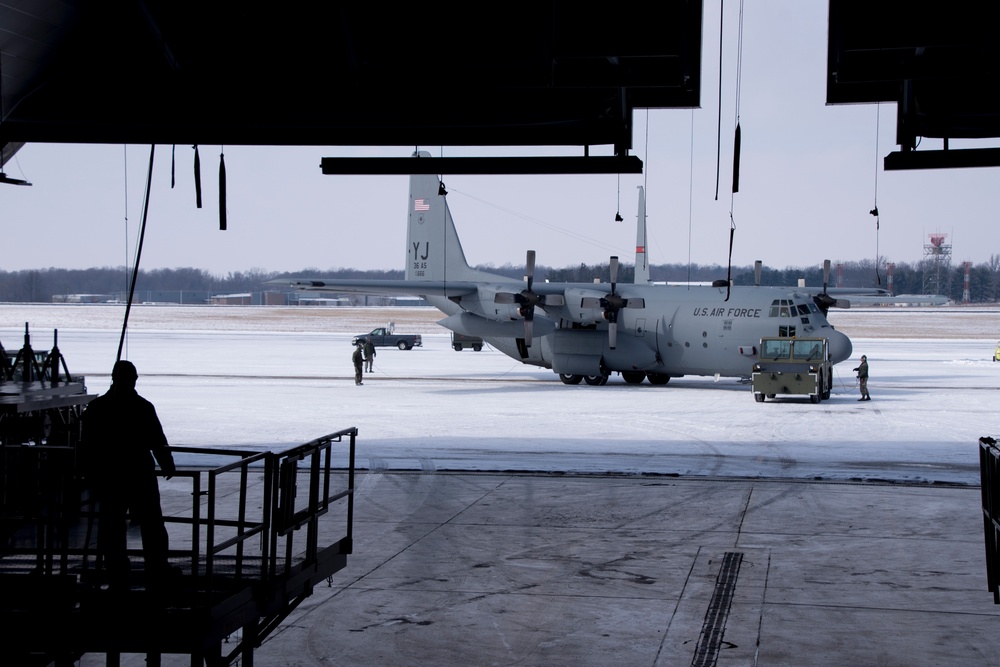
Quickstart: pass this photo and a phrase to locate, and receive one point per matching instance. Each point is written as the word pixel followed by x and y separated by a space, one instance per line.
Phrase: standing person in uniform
pixel 369 354
pixel 862 371
pixel 357 358
pixel 121 437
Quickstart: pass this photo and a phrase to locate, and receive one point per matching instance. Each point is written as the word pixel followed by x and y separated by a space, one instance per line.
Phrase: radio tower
pixel 966 280
pixel 937 261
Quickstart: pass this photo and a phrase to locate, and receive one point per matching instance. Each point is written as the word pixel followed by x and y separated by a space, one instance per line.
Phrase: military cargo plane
pixel 589 331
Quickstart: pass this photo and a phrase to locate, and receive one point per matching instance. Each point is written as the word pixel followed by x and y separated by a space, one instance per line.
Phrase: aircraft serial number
pixel 727 312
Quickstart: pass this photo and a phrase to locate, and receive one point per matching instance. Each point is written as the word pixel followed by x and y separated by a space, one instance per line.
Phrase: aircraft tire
pixel 633 377
pixel 814 398
pixel 658 378
pixel 570 379
pixel 595 380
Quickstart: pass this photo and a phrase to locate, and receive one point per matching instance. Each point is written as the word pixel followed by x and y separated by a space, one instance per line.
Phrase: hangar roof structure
pixel 541 73
pixel 940 67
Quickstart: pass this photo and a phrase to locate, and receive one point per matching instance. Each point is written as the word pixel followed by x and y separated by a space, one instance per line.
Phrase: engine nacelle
pixel 483 303
pixel 575 309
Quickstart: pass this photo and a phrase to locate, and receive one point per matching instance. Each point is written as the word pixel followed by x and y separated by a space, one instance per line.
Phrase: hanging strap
pixel 197 177
pixel 222 191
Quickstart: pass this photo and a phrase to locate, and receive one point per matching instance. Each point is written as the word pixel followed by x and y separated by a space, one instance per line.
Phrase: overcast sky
pixel 809 174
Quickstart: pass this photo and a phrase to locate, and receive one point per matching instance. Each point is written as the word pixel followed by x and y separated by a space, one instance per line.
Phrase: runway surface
pixel 505 518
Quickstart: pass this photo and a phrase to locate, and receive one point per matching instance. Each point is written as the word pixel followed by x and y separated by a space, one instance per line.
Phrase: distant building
pixel 232 299
pixel 82 298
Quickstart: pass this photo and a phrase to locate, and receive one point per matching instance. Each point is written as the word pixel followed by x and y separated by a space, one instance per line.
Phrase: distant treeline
pixel 925 277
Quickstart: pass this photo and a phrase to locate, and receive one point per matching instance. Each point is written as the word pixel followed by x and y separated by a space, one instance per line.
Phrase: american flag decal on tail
pixel 421 205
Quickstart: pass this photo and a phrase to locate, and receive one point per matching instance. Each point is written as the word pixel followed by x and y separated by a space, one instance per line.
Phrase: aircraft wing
pixel 409 287
pixel 853 291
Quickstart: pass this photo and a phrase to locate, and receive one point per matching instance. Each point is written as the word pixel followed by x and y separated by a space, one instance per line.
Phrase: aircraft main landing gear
pixel 633 377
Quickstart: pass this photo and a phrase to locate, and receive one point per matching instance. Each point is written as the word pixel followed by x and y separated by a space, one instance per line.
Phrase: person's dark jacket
pixel 123 435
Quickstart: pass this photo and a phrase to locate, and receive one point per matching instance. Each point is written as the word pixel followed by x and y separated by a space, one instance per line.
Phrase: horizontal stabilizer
pixel 474 325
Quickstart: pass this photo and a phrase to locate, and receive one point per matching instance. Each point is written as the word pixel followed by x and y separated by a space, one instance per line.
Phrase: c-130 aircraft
pixel 588 331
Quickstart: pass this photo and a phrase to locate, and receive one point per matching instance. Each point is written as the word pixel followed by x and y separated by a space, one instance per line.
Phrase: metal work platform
pixel 251 534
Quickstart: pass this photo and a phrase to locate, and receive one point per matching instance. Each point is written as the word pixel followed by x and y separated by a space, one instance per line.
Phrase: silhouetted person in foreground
pixel 121 436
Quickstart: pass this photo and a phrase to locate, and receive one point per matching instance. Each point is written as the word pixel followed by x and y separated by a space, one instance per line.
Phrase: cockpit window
pixel 803 309
pixel 782 308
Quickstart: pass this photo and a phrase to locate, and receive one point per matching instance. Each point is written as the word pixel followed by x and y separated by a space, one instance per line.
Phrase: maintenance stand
pixel 251 534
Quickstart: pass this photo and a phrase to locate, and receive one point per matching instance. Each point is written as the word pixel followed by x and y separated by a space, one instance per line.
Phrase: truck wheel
pixel 477 348
pixel 814 398
pixel 759 398
pixel 402 345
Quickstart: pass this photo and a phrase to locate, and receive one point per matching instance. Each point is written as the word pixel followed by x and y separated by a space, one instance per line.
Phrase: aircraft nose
pixel 840 346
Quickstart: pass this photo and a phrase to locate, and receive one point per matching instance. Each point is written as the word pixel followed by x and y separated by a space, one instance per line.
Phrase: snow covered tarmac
pixel 276 377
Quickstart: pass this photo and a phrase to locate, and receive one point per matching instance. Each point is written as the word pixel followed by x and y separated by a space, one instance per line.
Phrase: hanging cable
pixel 138 253
pixel 690 197
pixel 618 208
pixel 127 258
pixel 718 130
pixel 737 143
pixel 874 211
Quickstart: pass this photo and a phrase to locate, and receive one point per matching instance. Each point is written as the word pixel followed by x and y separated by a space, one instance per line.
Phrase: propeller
pixel 612 303
pixel 824 300
pixel 527 299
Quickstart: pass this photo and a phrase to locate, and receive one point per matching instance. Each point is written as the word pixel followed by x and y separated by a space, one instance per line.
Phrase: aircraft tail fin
pixel 433 250
pixel 641 260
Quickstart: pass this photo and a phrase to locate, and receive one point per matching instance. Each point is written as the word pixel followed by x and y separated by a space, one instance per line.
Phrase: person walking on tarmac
pixel 357 358
pixel 369 354
pixel 862 371
pixel 121 437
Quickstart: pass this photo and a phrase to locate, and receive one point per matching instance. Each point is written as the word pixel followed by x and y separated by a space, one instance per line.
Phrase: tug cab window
pixel 776 349
pixel 808 350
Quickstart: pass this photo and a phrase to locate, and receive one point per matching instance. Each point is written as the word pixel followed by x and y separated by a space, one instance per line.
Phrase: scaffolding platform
pixel 251 534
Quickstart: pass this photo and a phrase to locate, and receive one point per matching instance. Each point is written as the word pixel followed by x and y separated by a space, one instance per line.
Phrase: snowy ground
pixel 276 377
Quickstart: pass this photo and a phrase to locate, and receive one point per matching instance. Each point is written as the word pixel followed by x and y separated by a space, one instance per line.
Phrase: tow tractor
pixel 789 365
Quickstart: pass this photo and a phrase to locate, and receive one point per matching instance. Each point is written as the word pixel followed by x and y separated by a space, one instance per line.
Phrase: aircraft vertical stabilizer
pixel 433 250
pixel 641 260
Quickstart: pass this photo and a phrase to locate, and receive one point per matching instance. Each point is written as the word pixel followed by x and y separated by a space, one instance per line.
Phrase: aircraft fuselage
pixel 679 331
